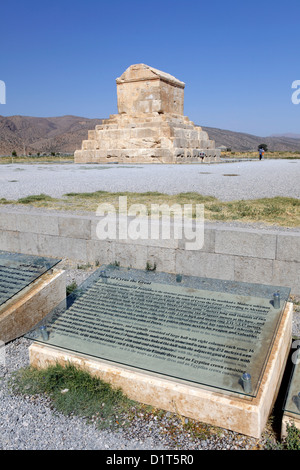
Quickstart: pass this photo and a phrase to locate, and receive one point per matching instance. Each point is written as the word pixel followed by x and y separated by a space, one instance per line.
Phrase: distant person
pixel 261 153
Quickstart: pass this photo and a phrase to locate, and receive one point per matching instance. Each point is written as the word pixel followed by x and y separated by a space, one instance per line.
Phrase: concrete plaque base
pixel 244 414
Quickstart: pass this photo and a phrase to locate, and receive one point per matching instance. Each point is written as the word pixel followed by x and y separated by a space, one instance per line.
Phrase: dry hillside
pixel 239 141
pixel 64 134
pixel 54 134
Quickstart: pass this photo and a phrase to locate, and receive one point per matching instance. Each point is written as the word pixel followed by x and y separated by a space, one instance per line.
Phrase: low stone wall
pixel 241 254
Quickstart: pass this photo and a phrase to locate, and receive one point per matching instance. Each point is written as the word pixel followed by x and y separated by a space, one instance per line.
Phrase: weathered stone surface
pixel 143 89
pixel 150 126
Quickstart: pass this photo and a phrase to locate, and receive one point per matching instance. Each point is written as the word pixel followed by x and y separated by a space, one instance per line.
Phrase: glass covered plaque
pixel 17 271
pixel 207 332
pixel 292 401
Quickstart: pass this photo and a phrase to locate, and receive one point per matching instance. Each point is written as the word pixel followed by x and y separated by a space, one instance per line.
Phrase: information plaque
pixel 202 331
pixel 292 401
pixel 17 271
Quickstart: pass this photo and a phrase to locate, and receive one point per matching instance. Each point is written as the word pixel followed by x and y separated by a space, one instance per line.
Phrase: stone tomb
pixel 30 287
pixel 150 126
pixel 211 350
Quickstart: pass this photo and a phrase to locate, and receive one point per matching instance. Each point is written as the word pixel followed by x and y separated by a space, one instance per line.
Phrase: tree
pixel 14 153
pixel 263 146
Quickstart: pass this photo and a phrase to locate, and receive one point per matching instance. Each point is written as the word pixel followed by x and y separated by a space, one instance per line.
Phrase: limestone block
pixel 203 144
pixel 140 84
pixel 74 227
pixel 239 242
pixel 288 247
pixel 209 240
pixel 287 273
pixel 180 133
pixel 9 240
pixel 149 233
pixel 179 154
pixel 166 131
pixel 49 245
pixel 100 252
pixel 142 133
pixel 156 106
pixel 172 97
pixel 162 258
pixel 194 143
pixel 29 243
pixel 203 135
pixel 8 221
pixel 180 142
pixel 63 247
pixel 199 263
pixel 254 270
pixel 164 142
pixel 129 255
pixel 75 249
pixel 38 223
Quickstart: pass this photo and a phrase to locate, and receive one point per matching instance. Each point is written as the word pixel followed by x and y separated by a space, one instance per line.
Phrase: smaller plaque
pixel 292 401
pixel 18 271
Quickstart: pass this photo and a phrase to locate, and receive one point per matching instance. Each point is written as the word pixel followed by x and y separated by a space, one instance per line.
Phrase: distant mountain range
pixel 293 136
pixel 239 141
pixel 64 134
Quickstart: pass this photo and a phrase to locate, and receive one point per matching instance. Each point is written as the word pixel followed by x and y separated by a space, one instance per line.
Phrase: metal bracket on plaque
pixel 276 300
pixel 44 333
pixel 246 382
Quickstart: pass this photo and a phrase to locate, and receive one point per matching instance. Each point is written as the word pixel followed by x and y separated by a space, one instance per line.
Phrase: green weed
pixel 74 392
pixel 35 198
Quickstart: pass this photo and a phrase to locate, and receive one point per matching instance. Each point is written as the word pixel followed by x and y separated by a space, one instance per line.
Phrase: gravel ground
pixel 31 423
pixel 226 181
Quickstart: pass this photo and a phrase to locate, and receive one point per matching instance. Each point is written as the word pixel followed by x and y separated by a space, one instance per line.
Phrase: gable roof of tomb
pixel 141 72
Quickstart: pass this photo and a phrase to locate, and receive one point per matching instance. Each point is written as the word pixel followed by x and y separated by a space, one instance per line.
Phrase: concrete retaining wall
pixel 248 255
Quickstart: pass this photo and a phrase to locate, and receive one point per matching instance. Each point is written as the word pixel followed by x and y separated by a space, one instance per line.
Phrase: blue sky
pixel 238 59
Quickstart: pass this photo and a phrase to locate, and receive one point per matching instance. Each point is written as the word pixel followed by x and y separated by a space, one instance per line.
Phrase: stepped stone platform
pixel 150 126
